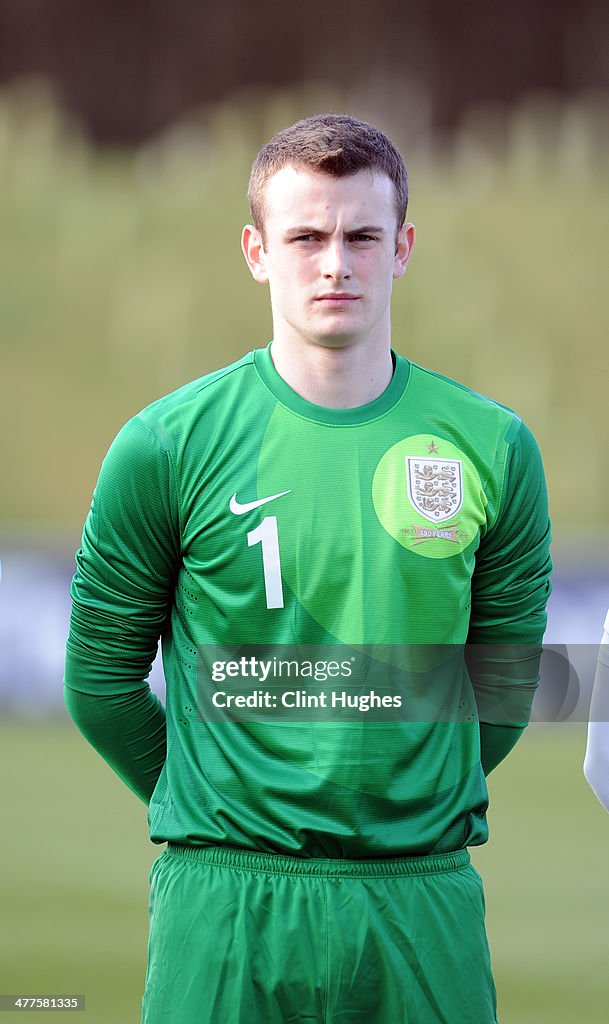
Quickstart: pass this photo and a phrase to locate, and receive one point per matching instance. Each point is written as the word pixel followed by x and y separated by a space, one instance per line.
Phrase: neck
pixel 336 378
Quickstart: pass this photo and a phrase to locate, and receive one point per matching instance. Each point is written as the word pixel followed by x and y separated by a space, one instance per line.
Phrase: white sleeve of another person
pixel 596 763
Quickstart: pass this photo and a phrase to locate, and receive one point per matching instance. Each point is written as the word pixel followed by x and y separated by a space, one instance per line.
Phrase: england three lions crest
pixel 435 487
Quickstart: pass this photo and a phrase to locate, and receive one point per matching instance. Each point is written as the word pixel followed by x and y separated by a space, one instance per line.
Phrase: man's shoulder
pixel 175 410
pixel 459 395
pixel 193 389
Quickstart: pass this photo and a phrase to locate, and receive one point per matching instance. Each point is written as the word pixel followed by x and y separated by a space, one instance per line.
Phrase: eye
pixel 363 238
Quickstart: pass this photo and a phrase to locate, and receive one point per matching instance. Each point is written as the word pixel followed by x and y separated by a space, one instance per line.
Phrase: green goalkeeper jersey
pixel 232 517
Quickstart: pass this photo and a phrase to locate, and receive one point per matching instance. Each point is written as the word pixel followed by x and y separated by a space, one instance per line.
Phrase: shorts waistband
pixel 328 867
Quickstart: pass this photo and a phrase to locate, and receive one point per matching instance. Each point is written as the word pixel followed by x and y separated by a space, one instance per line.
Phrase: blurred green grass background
pixel 121 277
pixel 75 862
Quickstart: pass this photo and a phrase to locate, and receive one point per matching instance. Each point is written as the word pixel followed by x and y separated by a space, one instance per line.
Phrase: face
pixel 329 255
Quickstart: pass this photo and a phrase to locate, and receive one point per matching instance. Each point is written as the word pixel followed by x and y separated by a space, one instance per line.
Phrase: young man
pixel 320 495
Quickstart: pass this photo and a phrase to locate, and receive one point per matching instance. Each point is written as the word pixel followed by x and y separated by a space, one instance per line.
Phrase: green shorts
pixel 248 938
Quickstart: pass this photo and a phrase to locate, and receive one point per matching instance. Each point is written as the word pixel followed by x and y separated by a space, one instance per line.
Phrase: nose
pixel 335 261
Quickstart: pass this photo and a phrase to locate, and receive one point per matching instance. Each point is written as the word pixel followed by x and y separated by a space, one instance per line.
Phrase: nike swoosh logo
pixel 238 509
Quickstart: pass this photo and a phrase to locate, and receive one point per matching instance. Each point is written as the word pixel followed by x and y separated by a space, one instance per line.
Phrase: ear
pixel 255 256
pixel 403 252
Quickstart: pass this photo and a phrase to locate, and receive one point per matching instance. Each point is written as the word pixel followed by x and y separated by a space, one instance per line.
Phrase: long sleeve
pixel 510 588
pixel 122 594
pixel 128 730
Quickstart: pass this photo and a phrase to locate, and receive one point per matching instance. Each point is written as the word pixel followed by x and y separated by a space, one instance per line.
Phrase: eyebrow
pixel 307 229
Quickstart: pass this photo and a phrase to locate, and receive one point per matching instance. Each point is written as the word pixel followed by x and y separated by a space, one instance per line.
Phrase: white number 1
pixel 267 534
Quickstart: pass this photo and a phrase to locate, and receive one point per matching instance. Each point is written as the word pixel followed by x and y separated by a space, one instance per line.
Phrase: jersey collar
pixel 360 414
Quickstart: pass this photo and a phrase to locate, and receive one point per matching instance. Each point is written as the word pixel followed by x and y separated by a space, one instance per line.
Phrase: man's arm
pixel 496 741
pixel 510 589
pixel 128 730
pixel 121 596
pixel 596 763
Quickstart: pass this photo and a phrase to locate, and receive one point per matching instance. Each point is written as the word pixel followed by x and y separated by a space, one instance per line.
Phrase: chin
pixel 334 340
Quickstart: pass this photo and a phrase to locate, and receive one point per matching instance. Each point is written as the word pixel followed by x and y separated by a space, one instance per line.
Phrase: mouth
pixel 338 298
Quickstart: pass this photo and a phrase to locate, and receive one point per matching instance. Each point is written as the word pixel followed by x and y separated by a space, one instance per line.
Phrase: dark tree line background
pixel 129 68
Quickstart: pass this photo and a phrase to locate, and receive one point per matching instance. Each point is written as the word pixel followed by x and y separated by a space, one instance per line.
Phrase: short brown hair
pixel 334 144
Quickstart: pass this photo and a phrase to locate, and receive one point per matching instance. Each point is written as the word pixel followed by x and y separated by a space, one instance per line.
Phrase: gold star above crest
pixel 432 448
